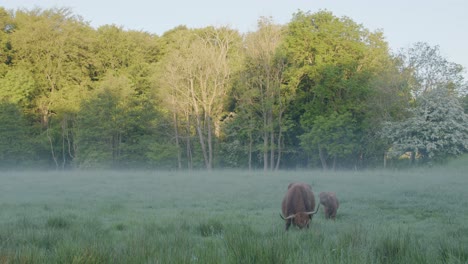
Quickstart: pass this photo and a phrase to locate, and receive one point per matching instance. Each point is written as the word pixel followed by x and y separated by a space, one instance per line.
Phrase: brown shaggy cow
pixel 330 204
pixel 298 205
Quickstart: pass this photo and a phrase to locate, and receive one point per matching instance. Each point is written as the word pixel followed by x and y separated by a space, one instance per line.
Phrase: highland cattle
pixel 298 205
pixel 330 204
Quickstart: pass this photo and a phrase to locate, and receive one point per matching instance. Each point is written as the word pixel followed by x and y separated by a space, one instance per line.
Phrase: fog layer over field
pixel 416 216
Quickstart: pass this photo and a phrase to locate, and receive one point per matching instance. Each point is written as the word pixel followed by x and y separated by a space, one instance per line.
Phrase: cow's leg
pixel 327 212
pixel 333 215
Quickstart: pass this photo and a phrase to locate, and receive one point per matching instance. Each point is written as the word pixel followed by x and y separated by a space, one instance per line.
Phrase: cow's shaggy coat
pixel 298 205
pixel 330 204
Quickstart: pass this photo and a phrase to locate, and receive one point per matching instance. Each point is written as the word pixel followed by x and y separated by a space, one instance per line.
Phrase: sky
pixel 403 22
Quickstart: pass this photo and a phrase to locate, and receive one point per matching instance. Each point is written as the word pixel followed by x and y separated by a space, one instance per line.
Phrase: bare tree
pixel 200 71
pixel 431 70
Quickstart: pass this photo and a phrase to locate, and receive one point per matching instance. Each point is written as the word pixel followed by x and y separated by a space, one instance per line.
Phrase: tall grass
pixel 418 216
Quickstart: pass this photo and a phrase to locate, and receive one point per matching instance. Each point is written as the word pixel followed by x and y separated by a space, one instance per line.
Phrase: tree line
pixel 318 92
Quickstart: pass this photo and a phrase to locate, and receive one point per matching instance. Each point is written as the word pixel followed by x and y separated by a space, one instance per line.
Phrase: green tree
pixel 336 134
pixel 18 86
pixel 101 124
pixel 6 27
pixel 331 62
pixel 119 128
pixel 15 149
pixel 262 97
pixel 389 100
pixel 118 50
pixel 172 90
pixel 54 45
pixel 56 61
pixel 53 48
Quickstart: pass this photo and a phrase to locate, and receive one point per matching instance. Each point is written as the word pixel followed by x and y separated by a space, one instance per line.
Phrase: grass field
pixel 417 216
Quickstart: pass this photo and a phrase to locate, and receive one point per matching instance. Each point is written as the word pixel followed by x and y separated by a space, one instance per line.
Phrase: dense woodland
pixel 318 92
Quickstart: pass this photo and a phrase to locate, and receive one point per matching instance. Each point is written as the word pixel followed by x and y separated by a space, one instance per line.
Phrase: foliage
pixel 436 130
pixel 161 155
pixel 54 46
pixel 260 95
pixel 303 94
pixel 331 64
pixel 464 102
pixel 18 86
pixel 14 137
pixel 6 28
pixel 108 125
pixel 334 133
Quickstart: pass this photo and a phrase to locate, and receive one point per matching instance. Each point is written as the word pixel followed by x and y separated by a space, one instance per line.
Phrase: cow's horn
pixel 312 213
pixel 287 218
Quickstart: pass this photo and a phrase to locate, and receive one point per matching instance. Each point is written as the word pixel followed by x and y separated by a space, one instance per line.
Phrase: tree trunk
pixel 71 145
pixel 272 149
pixel 385 160
pixel 189 154
pixel 188 143
pixel 280 139
pixel 176 132
pixel 279 147
pixel 322 158
pixel 250 150
pixel 64 158
pixel 189 148
pixel 202 141
pixel 265 150
pixel 52 149
pixel 412 158
pixel 210 143
pixel 199 125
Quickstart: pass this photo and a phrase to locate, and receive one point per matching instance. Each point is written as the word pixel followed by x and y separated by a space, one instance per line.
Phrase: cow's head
pixel 301 219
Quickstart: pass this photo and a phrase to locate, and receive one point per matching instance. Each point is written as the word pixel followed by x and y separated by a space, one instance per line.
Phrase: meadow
pixel 410 216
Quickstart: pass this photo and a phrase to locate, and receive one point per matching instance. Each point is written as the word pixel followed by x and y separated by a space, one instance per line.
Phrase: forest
pixel 318 92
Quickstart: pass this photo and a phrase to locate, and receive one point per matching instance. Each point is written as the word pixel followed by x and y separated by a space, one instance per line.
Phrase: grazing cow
pixel 298 205
pixel 330 204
